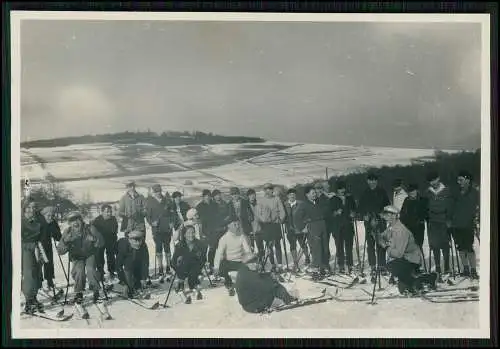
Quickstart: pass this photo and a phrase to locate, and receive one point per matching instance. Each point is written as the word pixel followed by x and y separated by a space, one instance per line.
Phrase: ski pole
pixel 170 287
pixel 67 281
pixel 283 236
pixel 356 240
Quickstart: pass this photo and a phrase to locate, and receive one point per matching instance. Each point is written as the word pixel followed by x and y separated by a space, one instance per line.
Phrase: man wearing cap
pixel 160 218
pixel 271 214
pixel 403 254
pixel 296 227
pixel 132 263
pixel 82 242
pixel 414 214
pixel 241 208
pixel 233 247
pixel 371 204
pixel 49 229
pixel 107 225
pixel 257 291
pixel 465 207
pixel 222 218
pixel 439 201
pixel 317 234
pixel 132 210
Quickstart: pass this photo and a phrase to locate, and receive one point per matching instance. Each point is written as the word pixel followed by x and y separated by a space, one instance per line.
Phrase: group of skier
pixel 241 235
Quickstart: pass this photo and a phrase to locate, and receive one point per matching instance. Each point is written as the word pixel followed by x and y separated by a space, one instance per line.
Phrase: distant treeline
pixel 168 138
pixel 446 165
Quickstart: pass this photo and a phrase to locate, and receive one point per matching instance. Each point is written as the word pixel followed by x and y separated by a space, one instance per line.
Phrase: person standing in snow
pixel 398 194
pixel 132 264
pixel 256 241
pixel 323 200
pixel 343 206
pixel 317 234
pixel 414 215
pixel 31 271
pixel 189 259
pixel 371 204
pixel 159 217
pixel 271 214
pixel 107 225
pixel 222 218
pixel 465 207
pixel 49 229
pixel 180 209
pixel 257 291
pixel 439 212
pixel 132 210
pixel 296 227
pixel 233 247
pixel 241 208
pixel 82 242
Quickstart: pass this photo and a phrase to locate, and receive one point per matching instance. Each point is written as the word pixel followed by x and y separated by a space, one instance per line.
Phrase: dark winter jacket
pixel 373 201
pixel 464 209
pixel 223 215
pixel 255 290
pixel 296 217
pixel 30 231
pixel 194 258
pixel 314 212
pixel 241 209
pixel 159 214
pixel 107 227
pixel 208 215
pixel 414 213
pixel 348 207
pixel 324 203
pixel 439 203
pixel 49 231
pixel 132 260
pixel 80 244
pixel 179 211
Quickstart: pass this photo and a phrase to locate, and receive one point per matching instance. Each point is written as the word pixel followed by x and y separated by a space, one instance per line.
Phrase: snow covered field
pixel 98 172
pixel 219 311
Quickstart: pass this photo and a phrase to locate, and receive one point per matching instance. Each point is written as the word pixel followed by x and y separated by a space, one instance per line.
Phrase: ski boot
pixel 466 272
pixel 199 296
pixel 308 260
pixel 39 306
pixel 78 299
pixel 341 269
pixel 473 274
pixel 179 287
pixel 231 290
pixel 30 307
pixel 187 293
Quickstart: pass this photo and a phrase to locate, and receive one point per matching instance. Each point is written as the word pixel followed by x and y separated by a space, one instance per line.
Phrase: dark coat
pixel 130 259
pixel 464 210
pixel 193 259
pixel 255 290
pixel 373 201
pixel 296 217
pixel 223 216
pixel 414 214
pixel 183 208
pixel 208 216
pixel 107 227
pixel 348 207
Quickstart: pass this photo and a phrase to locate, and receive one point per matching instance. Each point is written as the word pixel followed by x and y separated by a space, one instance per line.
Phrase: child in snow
pixel 159 216
pixel 233 247
pixel 30 257
pixel 188 261
pixel 82 241
pixel 107 225
pixel 49 229
pixel 132 263
pixel 257 291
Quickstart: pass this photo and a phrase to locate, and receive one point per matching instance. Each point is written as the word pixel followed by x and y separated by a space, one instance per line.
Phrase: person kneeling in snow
pixel 132 264
pixel 404 255
pixel 233 247
pixel 257 291
pixel 188 261
pixel 82 242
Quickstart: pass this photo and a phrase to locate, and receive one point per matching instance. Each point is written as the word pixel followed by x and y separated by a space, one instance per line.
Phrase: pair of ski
pixel 339 281
pixel 323 297
pixel 58 317
pixel 82 311
pixel 145 302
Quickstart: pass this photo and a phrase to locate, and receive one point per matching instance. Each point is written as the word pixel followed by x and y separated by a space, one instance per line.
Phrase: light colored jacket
pixel 231 248
pixel 399 198
pixel 133 209
pixel 270 210
pixel 400 243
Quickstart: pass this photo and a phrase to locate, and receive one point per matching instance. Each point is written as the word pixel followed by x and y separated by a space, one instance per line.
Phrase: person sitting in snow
pixel 403 253
pixel 233 247
pixel 257 291
pixel 82 242
pixel 132 264
pixel 188 261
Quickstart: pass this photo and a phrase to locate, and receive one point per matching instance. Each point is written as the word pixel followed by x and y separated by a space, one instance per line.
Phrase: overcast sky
pixel 401 85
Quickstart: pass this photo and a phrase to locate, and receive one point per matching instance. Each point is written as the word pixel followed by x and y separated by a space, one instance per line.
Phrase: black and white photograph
pixel 249 175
